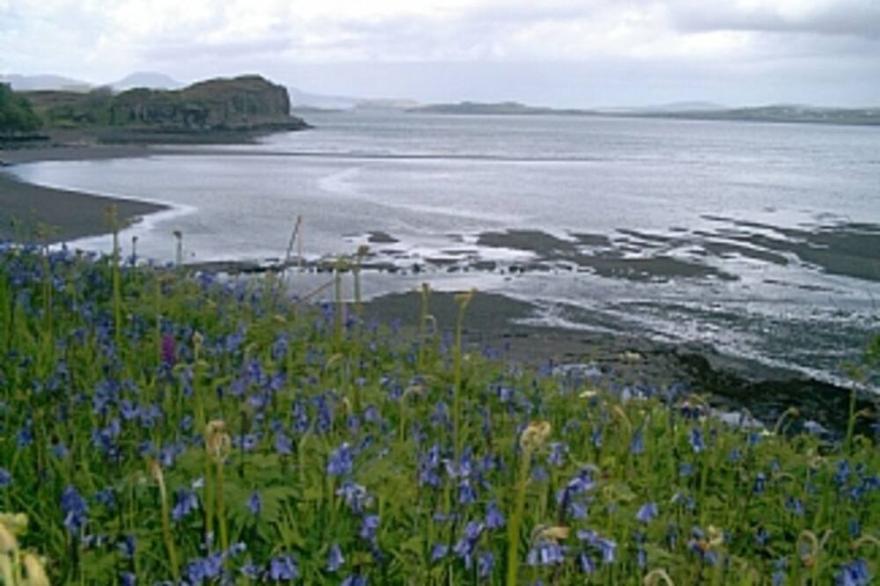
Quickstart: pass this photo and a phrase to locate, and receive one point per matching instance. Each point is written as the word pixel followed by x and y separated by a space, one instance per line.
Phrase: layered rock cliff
pixel 242 103
pixel 249 103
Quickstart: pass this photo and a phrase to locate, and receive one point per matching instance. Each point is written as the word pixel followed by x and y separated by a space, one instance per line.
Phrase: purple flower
pixel 283 445
pixel 5 478
pixel 250 570
pixel 842 474
pixel 205 569
pixel 439 551
pixel 334 558
pixel 355 496
pixel 283 569
pixel 464 549
pixel 127 547
pixel 494 516
pixel 429 465
pixel 696 440
pixel 185 503
pixel 762 536
pixel 637 445
pixel 354 580
pixel 546 553
pixel 578 485
pixel 341 461
pixel 368 527
pixel 300 417
pixel 485 563
pixel 796 506
pixel 854 573
pixel 466 493
pixel 647 512
pixel 606 547
pixel 586 563
pixel 779 566
pixel 558 451
pixel 760 483
pixel 255 503
pixel 74 509
pixel 169 352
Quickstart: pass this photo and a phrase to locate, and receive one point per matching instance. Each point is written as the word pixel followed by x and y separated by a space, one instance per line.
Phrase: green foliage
pixel 872 354
pixel 143 390
pixel 16 114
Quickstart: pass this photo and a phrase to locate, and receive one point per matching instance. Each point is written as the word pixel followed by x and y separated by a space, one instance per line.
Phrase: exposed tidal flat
pixel 755 245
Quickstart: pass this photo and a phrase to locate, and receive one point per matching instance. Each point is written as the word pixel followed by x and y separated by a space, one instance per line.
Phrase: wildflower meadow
pixel 164 426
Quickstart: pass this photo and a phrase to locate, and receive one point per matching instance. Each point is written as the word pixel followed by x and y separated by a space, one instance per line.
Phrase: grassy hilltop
pixel 161 426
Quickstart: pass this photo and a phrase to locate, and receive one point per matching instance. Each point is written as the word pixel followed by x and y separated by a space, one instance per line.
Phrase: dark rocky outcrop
pixel 246 103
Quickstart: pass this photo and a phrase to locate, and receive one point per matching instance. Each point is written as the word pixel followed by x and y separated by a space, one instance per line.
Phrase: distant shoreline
pixel 869 117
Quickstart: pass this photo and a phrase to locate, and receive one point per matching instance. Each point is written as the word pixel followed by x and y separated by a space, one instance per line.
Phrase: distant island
pixel 496 108
pixel 774 113
pixel 780 113
pixel 201 111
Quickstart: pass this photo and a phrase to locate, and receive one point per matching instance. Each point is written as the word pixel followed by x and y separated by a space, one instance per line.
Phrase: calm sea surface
pixel 761 239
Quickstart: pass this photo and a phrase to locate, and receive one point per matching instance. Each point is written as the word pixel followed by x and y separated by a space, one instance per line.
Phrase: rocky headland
pixel 215 110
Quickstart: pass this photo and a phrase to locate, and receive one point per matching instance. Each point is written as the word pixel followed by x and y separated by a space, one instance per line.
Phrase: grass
pixel 172 427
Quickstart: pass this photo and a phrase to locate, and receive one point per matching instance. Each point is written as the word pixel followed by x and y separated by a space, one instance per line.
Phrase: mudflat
pixel 31 212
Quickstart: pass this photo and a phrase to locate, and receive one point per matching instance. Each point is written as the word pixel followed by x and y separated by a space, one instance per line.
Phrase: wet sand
pixel 33 213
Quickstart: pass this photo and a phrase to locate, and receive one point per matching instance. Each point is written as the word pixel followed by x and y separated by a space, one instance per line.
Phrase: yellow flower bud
pixel 217 441
pixel 555 533
pixel 534 435
pixel 8 542
pixel 36 573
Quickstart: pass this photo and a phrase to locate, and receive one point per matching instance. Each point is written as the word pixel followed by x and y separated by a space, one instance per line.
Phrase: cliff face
pixel 242 103
pixel 231 104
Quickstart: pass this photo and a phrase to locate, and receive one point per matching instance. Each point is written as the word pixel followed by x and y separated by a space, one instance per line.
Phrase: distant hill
pixel 494 108
pixel 305 101
pixel 679 110
pixel 386 104
pixel 663 108
pixel 146 79
pixel 781 113
pixel 243 103
pixel 301 99
pixel 26 83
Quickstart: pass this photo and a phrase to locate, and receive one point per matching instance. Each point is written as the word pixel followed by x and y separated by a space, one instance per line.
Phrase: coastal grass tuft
pixel 160 425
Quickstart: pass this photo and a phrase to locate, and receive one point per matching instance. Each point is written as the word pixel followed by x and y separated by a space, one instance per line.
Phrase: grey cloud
pixel 178 49
pixel 859 18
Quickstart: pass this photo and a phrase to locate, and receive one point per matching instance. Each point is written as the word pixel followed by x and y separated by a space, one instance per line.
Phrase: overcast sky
pixel 554 52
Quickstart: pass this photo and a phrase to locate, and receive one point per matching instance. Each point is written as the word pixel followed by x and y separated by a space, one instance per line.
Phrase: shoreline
pixel 628 360
pixel 48 215
pixel 35 213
